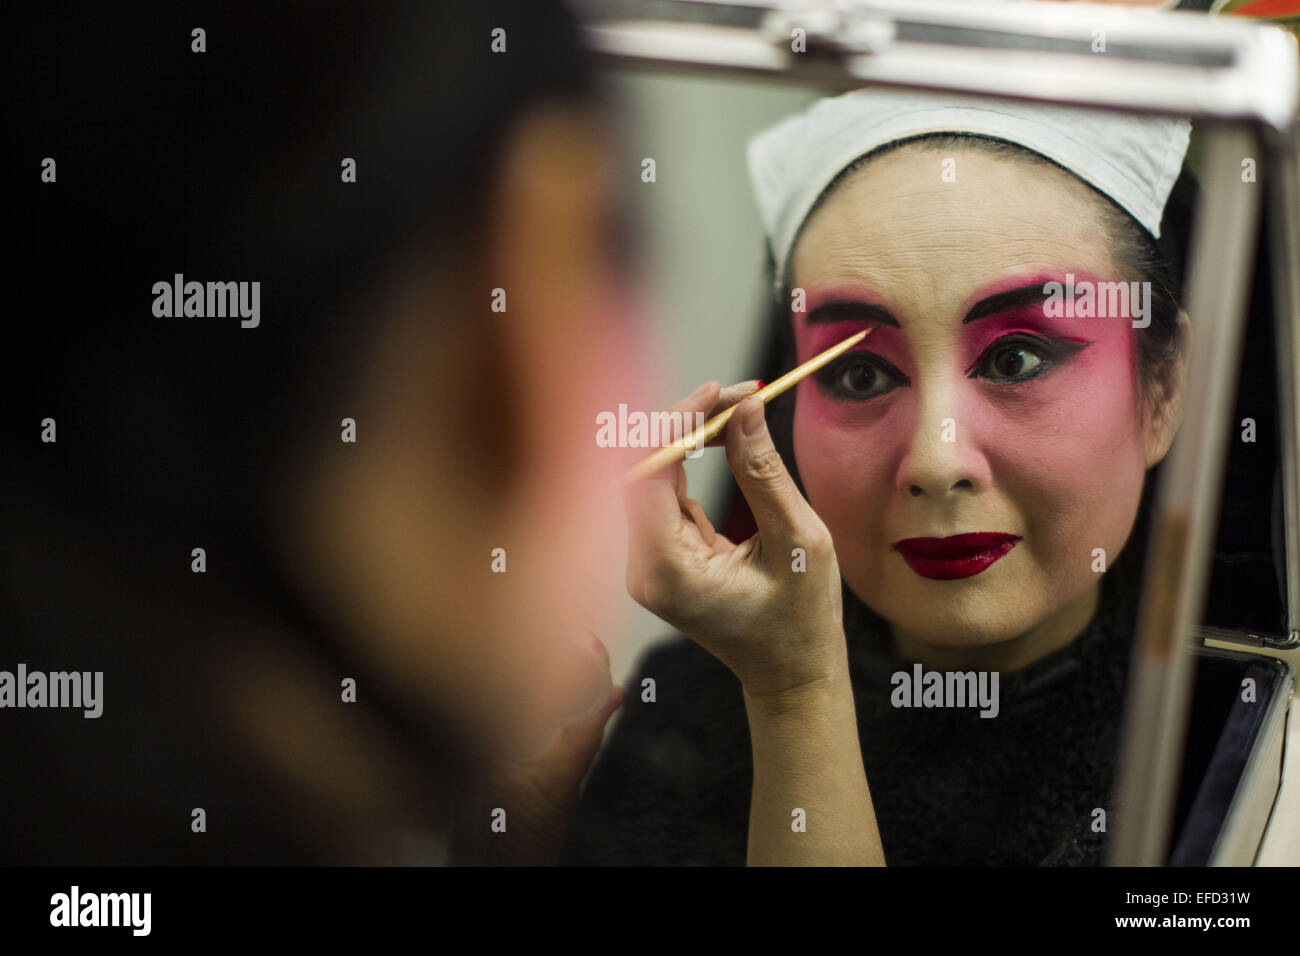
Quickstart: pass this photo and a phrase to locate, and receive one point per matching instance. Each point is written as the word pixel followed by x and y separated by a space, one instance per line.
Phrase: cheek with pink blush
pixel 1077 420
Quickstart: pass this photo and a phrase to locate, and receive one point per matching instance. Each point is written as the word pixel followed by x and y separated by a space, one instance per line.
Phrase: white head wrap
pixel 1133 160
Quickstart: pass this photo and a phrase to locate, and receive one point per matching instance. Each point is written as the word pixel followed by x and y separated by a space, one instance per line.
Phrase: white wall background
pixel 704 247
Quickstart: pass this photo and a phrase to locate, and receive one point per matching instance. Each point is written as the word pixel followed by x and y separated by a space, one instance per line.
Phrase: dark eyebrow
pixel 1011 299
pixel 991 305
pixel 847 309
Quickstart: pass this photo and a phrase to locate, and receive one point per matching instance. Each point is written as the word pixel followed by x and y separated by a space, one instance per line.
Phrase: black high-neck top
pixel 672 785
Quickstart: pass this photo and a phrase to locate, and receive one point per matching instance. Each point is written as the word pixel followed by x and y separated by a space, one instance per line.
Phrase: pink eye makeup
pixel 1009 360
pixel 1007 339
pixel 1021 356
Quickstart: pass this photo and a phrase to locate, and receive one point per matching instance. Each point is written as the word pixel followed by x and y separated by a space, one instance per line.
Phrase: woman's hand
pixel 770 607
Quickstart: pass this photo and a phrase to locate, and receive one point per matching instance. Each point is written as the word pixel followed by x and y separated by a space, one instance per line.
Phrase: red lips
pixel 957 556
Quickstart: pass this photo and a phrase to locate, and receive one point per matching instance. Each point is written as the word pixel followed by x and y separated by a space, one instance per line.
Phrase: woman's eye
pixel 858 376
pixel 1019 358
pixel 1011 361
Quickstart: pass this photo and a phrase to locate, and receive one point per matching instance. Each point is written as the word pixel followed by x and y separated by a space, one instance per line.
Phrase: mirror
pixel 985 462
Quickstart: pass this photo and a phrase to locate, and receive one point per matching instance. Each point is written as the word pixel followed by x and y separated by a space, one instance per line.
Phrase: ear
pixel 1164 407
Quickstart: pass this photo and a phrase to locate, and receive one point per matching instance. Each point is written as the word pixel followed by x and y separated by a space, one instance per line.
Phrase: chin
pixel 948 633
pixel 953 631
pixel 939 614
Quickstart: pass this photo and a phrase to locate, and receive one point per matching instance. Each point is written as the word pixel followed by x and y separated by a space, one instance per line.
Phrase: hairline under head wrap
pixel 1134 161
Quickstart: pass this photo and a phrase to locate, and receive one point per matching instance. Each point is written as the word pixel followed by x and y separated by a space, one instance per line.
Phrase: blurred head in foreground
pixel 318 307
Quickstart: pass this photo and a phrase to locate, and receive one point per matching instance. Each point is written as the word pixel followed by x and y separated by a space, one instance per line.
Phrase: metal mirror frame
pixel 1239 81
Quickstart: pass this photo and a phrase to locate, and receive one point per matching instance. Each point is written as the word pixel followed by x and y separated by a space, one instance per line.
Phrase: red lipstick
pixel 957 556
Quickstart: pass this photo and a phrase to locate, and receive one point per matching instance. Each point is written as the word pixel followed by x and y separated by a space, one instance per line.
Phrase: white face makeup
pixel 974 411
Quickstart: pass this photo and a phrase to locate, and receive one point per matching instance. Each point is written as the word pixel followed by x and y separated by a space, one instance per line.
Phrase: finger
pixel 655 541
pixel 729 396
pixel 581 735
pixel 695 512
pixel 585 688
pixel 653 513
pixel 780 511
pixel 578 742
pixel 700 400
pixel 568 755
pixel 686 415
pixel 678 473
pixel 574 700
pixel 679 420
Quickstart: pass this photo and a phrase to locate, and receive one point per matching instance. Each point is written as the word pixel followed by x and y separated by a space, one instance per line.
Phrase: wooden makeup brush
pixel 671 454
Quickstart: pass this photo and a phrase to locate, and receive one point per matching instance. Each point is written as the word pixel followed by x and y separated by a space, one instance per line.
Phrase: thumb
pixel 778 507
pixel 578 742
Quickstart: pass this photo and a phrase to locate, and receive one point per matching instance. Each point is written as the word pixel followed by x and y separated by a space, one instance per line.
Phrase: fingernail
pixel 755 420
pixel 761 384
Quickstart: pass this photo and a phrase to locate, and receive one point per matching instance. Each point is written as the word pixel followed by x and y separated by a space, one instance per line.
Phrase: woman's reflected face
pixel 970 409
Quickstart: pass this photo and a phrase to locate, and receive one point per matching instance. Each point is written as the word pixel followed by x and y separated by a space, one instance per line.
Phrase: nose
pixel 943 457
